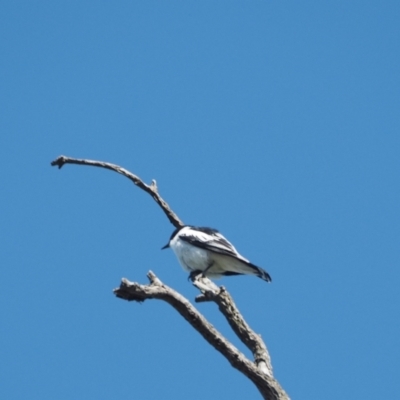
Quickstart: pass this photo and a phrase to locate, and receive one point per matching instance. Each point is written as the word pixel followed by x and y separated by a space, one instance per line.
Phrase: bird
pixel 202 250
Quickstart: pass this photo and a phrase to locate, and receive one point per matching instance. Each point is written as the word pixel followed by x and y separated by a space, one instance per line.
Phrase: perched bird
pixel 206 251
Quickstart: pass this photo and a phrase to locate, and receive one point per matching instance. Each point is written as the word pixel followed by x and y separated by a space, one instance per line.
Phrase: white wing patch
pixel 205 249
pixel 209 239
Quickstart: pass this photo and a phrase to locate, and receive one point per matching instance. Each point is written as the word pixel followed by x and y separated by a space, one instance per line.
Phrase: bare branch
pixel 150 189
pixel 266 384
pixel 259 372
pixel 236 321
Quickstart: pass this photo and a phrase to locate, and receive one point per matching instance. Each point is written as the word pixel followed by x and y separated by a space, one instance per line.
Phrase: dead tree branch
pixel 150 189
pixel 243 331
pixel 260 371
pixel 261 376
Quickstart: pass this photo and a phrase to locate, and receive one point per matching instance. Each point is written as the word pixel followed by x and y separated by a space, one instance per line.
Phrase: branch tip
pixel 201 298
pixel 129 291
pixel 153 278
pixel 153 185
pixel 126 282
pixel 59 161
pixel 150 189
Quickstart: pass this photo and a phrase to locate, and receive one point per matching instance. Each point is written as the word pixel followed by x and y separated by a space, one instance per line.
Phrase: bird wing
pixel 212 240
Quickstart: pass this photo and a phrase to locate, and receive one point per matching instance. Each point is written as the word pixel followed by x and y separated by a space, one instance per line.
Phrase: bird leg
pixel 208 267
pixel 193 275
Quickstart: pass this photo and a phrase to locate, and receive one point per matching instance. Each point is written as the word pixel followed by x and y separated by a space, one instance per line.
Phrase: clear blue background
pixel 276 122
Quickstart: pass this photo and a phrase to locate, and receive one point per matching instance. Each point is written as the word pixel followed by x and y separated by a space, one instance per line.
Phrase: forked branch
pixel 259 371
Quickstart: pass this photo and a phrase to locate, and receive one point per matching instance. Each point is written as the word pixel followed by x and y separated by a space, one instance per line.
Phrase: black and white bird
pixel 206 251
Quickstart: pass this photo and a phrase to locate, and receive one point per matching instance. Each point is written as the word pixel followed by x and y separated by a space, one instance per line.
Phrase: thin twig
pixel 150 189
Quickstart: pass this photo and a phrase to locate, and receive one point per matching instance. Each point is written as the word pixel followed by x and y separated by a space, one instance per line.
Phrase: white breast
pixel 190 257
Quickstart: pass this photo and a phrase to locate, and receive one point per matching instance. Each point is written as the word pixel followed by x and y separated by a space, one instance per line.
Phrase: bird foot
pixel 194 275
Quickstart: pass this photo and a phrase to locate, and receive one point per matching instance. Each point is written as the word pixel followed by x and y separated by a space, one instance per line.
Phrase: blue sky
pixel 275 122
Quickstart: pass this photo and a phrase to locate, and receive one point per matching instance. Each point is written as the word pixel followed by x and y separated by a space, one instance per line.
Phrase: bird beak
pixel 165 247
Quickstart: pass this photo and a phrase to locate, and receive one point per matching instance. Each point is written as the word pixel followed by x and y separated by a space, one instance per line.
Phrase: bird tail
pixel 254 270
pixel 261 273
pixel 234 266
